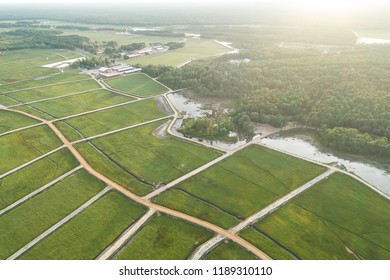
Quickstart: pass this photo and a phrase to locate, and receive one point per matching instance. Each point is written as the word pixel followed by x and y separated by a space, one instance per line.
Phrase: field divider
pixel 52 98
pixel 49 85
pixel 41 189
pixel 20 129
pixel 31 162
pixel 125 236
pixel 119 130
pixel 212 243
pixel 106 86
pixel 59 224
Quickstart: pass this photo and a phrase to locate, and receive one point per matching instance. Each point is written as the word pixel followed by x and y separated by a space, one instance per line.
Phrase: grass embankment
pixel 228 250
pixel 111 119
pixel 241 185
pixel 21 183
pixel 36 94
pixel 22 146
pixel 340 218
pixel 165 238
pixel 24 223
pixel 79 103
pixel 10 120
pixel 138 84
pixel 153 159
pixel 90 232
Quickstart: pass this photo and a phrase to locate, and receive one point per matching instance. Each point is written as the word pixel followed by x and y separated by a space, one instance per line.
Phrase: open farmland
pixel 54 90
pixel 22 146
pixel 75 104
pixel 243 184
pixel 194 49
pixel 138 84
pixel 345 223
pixel 38 174
pixel 11 120
pixel 24 223
pixel 150 158
pixel 229 251
pixel 6 101
pixel 164 238
pixel 87 235
pixel 111 119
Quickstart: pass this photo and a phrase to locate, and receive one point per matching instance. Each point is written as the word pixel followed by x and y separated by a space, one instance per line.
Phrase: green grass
pixel 228 250
pixel 138 84
pixel 79 103
pixel 183 202
pixel 54 91
pixel 153 159
pixel 112 171
pixel 112 119
pixel 194 49
pixel 90 232
pixel 10 121
pixel 337 214
pixel 165 238
pixel 265 244
pixel 49 80
pixel 21 183
pixel 24 223
pixel 22 146
pixel 248 181
pixel 6 101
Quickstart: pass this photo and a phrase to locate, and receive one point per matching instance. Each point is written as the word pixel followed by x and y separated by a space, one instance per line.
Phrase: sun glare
pixel 338 6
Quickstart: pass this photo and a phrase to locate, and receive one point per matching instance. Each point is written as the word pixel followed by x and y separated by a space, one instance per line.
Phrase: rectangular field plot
pixel 79 103
pixel 244 183
pixel 194 49
pixel 165 238
pixel 112 170
pixel 44 81
pixel 112 119
pixel 21 183
pixel 138 84
pixel 22 146
pixel 6 101
pixel 337 219
pixel 21 225
pixel 10 120
pixel 227 250
pixel 90 232
pixel 151 158
pixel 54 91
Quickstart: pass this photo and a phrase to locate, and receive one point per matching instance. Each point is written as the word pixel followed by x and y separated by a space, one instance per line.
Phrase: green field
pixel 138 84
pixel 25 64
pixel 111 119
pixel 14 186
pixel 266 244
pixel 112 171
pixel 49 80
pixel 54 91
pixel 153 159
pixel 22 146
pixel 24 223
pixel 6 101
pixel 90 232
pixel 194 49
pixel 79 103
pixel 165 238
pixel 228 250
pixel 10 120
pixel 340 218
pixel 243 184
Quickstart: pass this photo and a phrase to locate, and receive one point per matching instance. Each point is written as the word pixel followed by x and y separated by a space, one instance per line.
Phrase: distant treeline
pixel 46 39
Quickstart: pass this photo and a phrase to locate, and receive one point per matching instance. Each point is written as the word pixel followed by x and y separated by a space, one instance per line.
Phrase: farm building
pixel 109 72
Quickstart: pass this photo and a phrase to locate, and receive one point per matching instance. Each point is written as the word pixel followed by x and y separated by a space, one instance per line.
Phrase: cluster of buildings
pixel 109 72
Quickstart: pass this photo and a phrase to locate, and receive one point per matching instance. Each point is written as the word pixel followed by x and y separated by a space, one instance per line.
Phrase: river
pixel 374 173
